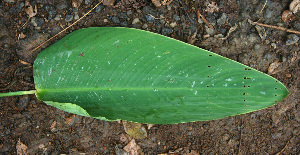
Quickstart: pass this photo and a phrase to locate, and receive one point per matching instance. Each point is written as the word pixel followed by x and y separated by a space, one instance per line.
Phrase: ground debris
pixel 274 68
pixel 182 151
pixel 135 130
pixel 21 148
pixel 133 149
pixel 29 9
pixel 211 7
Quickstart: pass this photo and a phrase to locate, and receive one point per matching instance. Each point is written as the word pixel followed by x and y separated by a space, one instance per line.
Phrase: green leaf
pixel 134 75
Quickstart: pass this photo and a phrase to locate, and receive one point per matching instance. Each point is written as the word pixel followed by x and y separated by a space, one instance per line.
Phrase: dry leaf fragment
pixel 76 3
pixel 21 35
pixel 29 10
pixel 135 130
pixel 211 7
pixel 156 3
pixel 192 38
pixel 295 6
pixel 132 148
pixel 21 148
pixel 70 120
pixel 166 2
pixel 52 127
pixel 150 126
pixel 274 68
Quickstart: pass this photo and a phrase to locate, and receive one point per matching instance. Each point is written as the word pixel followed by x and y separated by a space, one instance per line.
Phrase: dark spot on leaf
pixel 81 54
pixel 210 55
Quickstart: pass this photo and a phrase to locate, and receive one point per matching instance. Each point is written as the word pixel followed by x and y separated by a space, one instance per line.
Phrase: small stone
pixel 150 19
pixel 129 12
pixel 169 7
pixel 253 38
pixel 115 20
pixel 173 24
pixel 105 20
pixel 86 2
pixel 200 21
pixel 135 21
pixel 145 26
pixel 62 5
pixel 269 56
pixel 76 17
pixel 57 17
pixel 176 17
pixel 274 45
pixel 166 31
pixel 222 19
pixel 37 22
pixel 99 8
pixel 292 39
pixel 69 18
pixel 123 23
pixel 209 30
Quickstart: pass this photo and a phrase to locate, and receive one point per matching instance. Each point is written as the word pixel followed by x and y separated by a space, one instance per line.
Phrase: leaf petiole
pixel 18 93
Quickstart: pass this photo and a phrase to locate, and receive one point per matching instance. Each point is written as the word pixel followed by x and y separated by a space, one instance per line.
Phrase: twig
pixel 67 27
pixel 263 6
pixel 204 20
pixel 277 27
pixel 283 147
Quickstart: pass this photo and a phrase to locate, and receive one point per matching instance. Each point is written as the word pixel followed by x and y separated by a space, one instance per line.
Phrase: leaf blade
pixel 145 77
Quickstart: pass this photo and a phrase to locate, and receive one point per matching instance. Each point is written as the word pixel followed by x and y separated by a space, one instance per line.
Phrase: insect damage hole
pixel 247 69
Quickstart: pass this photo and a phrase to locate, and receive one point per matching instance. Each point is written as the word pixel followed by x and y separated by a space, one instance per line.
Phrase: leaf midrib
pixel 128 89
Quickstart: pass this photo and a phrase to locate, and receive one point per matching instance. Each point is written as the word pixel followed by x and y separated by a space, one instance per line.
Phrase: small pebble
pixel 76 17
pixel 150 19
pixel 209 30
pixel 135 21
pixel 37 22
pixel 129 12
pixel 173 24
pixel 123 24
pixel 274 45
pixel 86 2
pixel 145 26
pixel 166 31
pixel 115 20
pixel 69 18
pixel 292 39
pixel 176 17
pixel 222 19
pixel 57 17
pixel 200 21
pixel 61 5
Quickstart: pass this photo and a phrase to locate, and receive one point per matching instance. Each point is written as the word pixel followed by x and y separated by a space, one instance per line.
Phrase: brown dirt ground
pixel 268 131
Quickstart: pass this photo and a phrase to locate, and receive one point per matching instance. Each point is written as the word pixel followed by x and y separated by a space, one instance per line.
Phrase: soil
pixel 47 130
